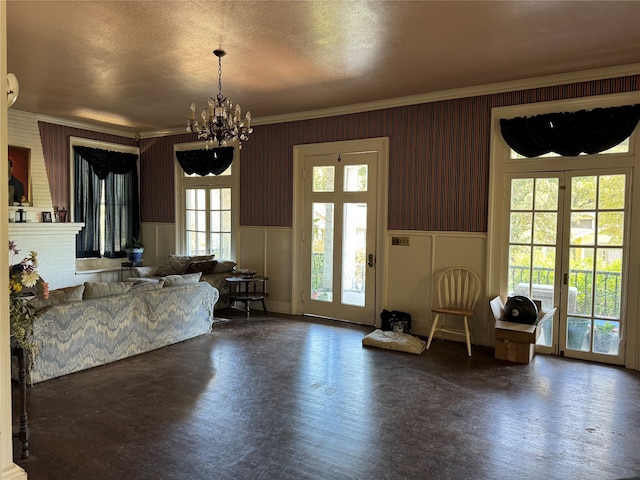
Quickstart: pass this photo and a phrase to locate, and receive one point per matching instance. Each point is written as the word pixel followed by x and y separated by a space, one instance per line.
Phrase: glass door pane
pixel 195 221
pixel 595 275
pixel 354 254
pixel 322 252
pixel 533 234
pixel 220 222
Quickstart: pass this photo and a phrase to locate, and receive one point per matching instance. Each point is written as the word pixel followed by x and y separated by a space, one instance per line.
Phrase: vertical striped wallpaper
pixel 157 186
pixel 55 147
pixel 438 159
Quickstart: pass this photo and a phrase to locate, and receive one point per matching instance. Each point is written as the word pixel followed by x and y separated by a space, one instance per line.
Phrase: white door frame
pixel 497 195
pixel 379 145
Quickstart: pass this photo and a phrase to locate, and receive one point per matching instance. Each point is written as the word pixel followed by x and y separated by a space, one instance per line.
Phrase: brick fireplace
pixel 54 242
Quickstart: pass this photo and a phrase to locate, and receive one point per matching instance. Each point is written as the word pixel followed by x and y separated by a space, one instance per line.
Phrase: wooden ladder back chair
pixel 458 292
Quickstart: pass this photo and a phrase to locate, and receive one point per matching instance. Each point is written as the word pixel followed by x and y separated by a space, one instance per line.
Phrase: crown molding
pixel 464 92
pixel 88 126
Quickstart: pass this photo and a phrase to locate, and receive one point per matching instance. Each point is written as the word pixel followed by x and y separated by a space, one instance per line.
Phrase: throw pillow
pixel 146 284
pixel 203 266
pixel 58 297
pixel 67 294
pixel 224 267
pixel 187 279
pixel 102 289
pixel 177 264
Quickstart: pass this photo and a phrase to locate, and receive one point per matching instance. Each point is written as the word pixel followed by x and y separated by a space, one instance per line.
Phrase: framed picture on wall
pixel 19 174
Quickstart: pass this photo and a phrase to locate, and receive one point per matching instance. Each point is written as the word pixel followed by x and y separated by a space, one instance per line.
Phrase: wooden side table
pixel 242 292
pixel 127 268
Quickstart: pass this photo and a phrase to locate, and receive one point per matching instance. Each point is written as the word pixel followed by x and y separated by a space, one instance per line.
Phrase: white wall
pixel 55 244
pixel 24 132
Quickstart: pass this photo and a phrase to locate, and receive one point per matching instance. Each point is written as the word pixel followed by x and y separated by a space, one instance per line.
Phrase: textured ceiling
pixel 138 65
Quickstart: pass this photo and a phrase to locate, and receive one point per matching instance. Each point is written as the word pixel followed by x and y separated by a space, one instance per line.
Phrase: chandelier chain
pixel 220 75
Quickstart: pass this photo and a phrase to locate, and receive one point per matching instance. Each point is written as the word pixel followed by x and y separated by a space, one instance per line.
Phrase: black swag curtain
pixel 570 133
pixel 204 162
pixel 122 219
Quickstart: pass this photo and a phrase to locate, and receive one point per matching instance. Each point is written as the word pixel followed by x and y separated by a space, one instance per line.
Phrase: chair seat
pixel 453 311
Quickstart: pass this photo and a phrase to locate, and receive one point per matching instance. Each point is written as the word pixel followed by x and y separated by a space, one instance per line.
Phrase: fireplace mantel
pixel 41 228
pixel 56 247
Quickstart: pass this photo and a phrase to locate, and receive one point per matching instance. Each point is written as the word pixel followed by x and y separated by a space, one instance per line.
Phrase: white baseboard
pixel 13 472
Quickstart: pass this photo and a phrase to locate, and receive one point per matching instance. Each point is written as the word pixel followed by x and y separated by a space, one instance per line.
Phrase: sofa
pixel 94 324
pixel 214 272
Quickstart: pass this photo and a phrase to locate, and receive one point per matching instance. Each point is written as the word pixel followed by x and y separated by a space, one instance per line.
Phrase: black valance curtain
pixel 570 133
pixel 104 162
pixel 112 178
pixel 204 162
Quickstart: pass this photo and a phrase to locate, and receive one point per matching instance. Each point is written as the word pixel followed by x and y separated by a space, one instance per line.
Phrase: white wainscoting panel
pixel 159 241
pixel 268 250
pixel 409 270
pixel 408 279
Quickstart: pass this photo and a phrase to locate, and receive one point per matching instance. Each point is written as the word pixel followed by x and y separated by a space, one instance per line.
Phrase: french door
pixel 567 248
pixel 339 236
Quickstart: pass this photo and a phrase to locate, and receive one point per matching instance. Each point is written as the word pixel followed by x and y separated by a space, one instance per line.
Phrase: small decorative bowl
pixel 246 273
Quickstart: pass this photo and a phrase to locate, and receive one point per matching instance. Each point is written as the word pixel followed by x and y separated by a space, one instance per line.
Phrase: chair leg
pixel 433 329
pixel 467 336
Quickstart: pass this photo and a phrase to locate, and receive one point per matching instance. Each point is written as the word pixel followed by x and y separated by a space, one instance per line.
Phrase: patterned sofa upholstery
pixel 216 276
pixel 82 334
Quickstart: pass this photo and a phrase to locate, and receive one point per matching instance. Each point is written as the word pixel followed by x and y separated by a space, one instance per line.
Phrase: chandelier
pixel 221 121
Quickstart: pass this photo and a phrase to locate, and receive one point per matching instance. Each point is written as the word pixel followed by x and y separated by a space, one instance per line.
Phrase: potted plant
pixel 604 337
pixel 134 249
pixel 24 280
pixel 577 329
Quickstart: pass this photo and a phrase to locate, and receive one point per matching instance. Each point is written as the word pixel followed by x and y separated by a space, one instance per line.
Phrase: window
pixel 207 209
pixel 563 236
pixel 105 186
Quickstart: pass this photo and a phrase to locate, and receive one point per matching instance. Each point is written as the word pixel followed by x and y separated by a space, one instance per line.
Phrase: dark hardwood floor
pixel 283 397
